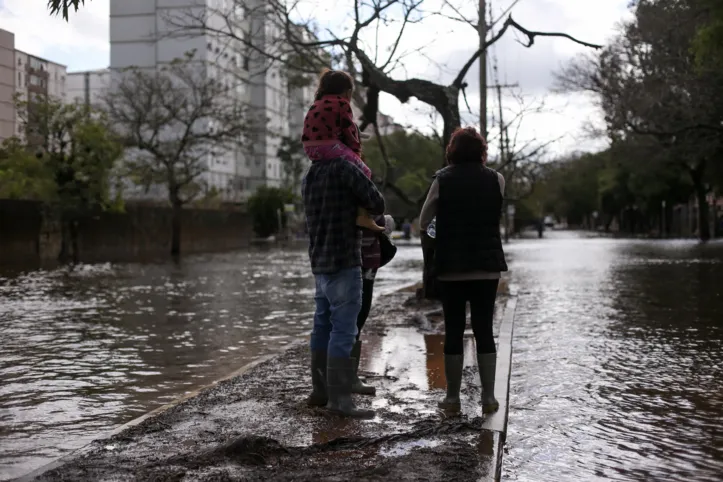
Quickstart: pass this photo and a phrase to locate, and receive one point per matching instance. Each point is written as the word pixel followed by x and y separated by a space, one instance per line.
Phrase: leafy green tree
pixel 413 160
pixel 708 42
pixel 78 150
pixel 23 175
pixel 626 183
pixel 649 88
pixel 265 206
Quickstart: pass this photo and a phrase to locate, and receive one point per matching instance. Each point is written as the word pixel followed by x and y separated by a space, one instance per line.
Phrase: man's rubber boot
pixel 357 386
pixel 339 376
pixel 319 396
pixel 453 365
pixel 487 364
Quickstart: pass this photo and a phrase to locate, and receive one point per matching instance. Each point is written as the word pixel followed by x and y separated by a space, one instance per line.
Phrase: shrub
pixel 264 206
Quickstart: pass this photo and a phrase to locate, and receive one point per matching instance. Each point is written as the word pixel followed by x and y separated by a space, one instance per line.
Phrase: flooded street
pixel 618 361
pixel 616 368
pixel 82 352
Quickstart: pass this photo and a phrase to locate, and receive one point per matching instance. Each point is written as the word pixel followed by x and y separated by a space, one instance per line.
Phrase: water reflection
pixel 617 361
pixel 83 351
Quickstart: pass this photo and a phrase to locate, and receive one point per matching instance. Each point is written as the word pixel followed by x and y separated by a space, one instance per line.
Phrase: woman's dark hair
pixel 466 146
pixel 334 82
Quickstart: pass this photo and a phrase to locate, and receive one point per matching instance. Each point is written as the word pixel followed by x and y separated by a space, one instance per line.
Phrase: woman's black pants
pixel 481 295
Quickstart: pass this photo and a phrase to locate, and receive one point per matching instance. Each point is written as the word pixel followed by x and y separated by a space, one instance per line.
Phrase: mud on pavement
pixel 257 427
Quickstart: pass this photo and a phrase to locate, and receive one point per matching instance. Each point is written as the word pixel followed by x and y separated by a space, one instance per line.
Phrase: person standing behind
pixel 332 191
pixel 371 262
pixel 466 198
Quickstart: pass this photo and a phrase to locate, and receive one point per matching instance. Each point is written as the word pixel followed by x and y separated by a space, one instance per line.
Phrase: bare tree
pixel 519 159
pixel 372 68
pixel 174 121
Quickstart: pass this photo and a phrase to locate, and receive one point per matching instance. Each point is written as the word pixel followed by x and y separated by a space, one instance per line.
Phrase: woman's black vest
pixel 468 221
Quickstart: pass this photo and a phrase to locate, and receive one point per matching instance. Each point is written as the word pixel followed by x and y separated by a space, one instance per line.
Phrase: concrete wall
pixel 30 236
pixel 20 227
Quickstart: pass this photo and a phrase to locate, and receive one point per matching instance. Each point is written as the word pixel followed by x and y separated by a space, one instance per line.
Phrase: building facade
pixel 87 87
pixel 140 37
pixel 24 76
pixel 7 85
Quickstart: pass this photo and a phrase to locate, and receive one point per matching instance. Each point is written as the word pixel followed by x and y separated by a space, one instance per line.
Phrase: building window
pixel 247 61
pixel 20 61
pixel 20 78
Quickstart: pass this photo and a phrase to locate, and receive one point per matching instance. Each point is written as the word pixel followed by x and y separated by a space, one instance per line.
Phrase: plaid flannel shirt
pixel 333 191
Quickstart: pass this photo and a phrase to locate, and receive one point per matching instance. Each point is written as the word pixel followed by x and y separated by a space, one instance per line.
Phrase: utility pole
pixel 504 148
pixel 482 26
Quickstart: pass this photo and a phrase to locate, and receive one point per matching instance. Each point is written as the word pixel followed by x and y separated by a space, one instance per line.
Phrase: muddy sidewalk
pixel 256 426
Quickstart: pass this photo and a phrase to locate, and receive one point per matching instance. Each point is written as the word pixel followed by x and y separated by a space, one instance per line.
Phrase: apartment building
pixel 140 37
pixel 7 84
pixel 87 87
pixel 24 75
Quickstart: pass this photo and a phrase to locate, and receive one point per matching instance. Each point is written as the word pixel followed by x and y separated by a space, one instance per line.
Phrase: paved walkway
pixel 254 425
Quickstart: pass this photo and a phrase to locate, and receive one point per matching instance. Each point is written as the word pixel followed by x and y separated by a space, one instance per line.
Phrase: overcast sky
pixel 82 44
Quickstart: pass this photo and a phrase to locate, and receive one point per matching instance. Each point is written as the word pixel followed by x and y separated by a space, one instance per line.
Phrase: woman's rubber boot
pixel 453 365
pixel 319 396
pixel 487 363
pixel 357 386
pixel 339 376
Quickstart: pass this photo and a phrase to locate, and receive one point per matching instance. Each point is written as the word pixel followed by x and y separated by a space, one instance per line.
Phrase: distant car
pixel 549 221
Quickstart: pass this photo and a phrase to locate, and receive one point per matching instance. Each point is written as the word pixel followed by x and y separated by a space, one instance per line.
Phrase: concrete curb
pixel 497 422
pixel 153 413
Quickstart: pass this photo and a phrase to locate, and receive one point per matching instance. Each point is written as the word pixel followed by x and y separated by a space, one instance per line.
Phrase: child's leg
pixel 354 158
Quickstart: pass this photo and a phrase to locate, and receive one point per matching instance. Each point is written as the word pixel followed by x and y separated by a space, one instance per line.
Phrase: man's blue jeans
pixel 338 302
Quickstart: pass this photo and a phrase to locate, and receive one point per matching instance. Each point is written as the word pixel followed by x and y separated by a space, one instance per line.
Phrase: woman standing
pixel 466 200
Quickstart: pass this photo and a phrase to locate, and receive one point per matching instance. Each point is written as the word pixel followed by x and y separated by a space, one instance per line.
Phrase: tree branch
pixel 531 35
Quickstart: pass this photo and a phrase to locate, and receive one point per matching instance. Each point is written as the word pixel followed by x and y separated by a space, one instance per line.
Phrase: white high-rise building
pixel 269 111
pixel 140 37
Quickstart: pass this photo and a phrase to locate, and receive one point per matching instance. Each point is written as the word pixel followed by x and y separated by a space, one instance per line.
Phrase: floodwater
pixel 84 351
pixel 617 365
pixel 617 361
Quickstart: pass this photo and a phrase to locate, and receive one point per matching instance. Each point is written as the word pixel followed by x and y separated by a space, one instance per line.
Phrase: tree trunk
pixel 177 208
pixel 701 195
pixel 64 255
pixel 449 110
pixel 75 255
